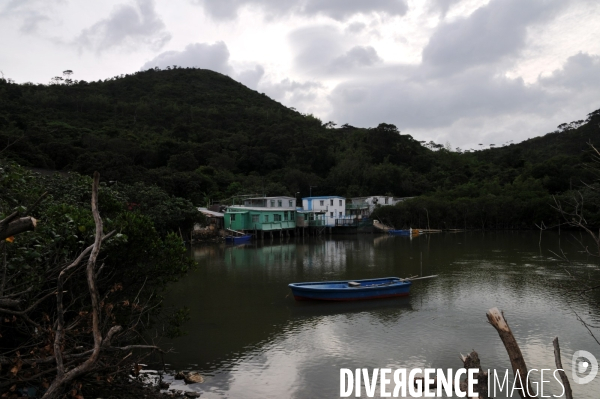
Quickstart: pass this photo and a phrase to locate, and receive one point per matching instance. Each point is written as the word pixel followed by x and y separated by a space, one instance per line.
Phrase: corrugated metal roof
pixel 254 198
pixel 211 213
pixel 324 197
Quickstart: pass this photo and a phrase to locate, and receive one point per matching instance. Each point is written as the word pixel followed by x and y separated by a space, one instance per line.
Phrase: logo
pixel 584 362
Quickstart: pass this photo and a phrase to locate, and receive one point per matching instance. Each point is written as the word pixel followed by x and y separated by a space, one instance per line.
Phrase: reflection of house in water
pixel 205 251
pixel 264 255
pixel 321 257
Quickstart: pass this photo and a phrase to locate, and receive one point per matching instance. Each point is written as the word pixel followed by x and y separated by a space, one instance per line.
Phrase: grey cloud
pixel 357 56
pixel 442 6
pixel 294 93
pixel 343 9
pixel 456 106
pixel 32 22
pixel 356 27
pixel 417 102
pixel 251 77
pixel 197 55
pixel 336 9
pixel 322 50
pixel 31 13
pixel 315 47
pixel 127 25
pixel 580 72
pixel 488 35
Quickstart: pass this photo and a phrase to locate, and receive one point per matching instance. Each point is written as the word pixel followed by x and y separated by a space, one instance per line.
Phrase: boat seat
pixel 353 284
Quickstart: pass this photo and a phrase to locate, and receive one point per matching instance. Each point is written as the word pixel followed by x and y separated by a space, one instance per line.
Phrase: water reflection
pixel 253 340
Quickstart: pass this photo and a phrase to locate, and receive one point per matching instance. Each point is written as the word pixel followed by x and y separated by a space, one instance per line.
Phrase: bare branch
pixel 497 320
pixel 561 371
pixel 63 378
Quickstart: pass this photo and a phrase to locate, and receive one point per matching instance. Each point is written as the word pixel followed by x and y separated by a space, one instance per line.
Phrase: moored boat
pixel 237 239
pixel 409 232
pixel 351 290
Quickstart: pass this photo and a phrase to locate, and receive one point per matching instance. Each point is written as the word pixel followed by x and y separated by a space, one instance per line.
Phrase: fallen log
pixel 17 226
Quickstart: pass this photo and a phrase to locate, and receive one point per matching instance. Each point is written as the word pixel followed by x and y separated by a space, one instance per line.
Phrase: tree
pixel 580 209
pixel 67 74
pixel 64 314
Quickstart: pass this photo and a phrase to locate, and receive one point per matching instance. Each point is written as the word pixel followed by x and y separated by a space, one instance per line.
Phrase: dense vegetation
pixel 134 268
pixel 200 135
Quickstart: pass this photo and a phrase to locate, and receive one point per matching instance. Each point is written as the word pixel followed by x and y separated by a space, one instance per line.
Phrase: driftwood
pixel 561 372
pixel 11 226
pixel 471 361
pixel 497 320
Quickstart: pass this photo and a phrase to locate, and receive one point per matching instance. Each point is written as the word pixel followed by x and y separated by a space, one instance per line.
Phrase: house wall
pixel 261 220
pixel 334 207
pixel 271 202
pixel 235 221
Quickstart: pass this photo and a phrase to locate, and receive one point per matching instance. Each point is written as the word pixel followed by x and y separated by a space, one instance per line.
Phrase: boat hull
pixel 406 233
pixel 237 240
pixel 388 287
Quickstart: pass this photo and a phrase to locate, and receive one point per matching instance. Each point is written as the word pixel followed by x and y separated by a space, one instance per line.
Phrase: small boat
pixel 351 290
pixel 409 232
pixel 237 239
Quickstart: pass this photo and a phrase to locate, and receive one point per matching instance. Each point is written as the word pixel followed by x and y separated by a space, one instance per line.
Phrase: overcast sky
pixel 462 72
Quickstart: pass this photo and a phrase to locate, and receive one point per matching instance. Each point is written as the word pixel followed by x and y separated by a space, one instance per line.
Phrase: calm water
pixel 252 340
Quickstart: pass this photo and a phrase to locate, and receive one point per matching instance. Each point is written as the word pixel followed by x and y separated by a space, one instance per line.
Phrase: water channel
pixel 250 339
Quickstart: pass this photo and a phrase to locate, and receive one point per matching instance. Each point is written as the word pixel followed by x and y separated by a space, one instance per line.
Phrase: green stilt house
pixel 271 214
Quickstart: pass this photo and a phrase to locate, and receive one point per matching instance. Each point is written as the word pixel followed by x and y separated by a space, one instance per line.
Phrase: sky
pixel 458 72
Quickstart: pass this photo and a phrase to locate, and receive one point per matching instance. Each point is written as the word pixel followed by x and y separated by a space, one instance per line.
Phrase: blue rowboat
pixel 403 232
pixel 237 239
pixel 351 290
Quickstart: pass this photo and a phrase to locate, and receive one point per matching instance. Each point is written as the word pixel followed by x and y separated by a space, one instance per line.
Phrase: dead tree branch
pixel 497 320
pixel 561 371
pixel 62 377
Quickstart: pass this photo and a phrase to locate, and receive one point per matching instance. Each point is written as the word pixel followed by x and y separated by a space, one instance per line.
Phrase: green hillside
pixel 201 135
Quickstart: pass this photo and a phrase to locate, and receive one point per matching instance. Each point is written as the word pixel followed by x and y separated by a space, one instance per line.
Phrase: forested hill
pixel 199 134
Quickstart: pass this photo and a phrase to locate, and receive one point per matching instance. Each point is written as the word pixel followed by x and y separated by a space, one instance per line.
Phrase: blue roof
pixel 323 197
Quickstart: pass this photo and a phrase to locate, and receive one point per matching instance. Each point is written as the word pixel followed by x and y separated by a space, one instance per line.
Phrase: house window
pixel 285 215
pixel 255 218
pixel 340 202
pixel 330 214
pixel 233 217
pixel 277 218
pixel 386 200
pixel 330 202
pixel 279 203
pixel 291 204
pixel 272 203
pixel 340 215
pixel 266 218
pixel 322 202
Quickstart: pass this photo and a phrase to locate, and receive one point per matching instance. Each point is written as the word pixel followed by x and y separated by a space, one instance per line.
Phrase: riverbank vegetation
pixel 78 294
pixel 202 136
